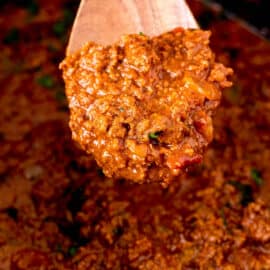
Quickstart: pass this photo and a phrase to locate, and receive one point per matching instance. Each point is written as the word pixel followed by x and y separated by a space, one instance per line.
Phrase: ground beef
pixel 256 222
pixel 59 211
pixel 143 106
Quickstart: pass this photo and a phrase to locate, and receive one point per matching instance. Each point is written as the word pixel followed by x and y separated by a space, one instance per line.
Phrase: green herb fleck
pixel 46 81
pixel 256 176
pixel 141 33
pixel 72 251
pixel 245 190
pixel 12 36
pixel 59 28
pixel 153 135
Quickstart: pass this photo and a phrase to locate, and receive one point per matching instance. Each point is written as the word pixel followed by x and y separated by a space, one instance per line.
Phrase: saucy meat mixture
pixel 59 211
pixel 143 106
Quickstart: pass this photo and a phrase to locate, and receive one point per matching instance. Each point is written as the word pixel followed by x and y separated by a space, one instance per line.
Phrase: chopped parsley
pixel 245 191
pixel 59 28
pixel 46 81
pixel 141 33
pixel 153 135
pixel 72 251
pixel 256 176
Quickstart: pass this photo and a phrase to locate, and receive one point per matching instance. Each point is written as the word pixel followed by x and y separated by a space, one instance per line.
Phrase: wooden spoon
pixel 104 21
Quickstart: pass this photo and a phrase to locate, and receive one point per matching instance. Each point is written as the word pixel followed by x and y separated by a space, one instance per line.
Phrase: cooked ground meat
pixel 143 106
pixel 59 211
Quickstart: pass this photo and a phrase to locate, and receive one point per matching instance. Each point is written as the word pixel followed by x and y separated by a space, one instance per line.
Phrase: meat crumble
pixel 59 212
pixel 143 106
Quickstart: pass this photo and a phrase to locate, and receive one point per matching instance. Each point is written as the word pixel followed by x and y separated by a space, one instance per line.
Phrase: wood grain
pixel 104 21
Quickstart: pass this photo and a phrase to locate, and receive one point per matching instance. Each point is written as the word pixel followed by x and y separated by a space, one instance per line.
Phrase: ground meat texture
pixel 143 106
pixel 59 212
pixel 30 259
pixel 257 222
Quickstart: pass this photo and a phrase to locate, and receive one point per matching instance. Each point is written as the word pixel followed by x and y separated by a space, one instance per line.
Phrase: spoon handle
pixel 104 21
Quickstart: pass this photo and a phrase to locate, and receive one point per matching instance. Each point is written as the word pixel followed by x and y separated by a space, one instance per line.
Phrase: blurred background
pixel 50 191
pixel 255 12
